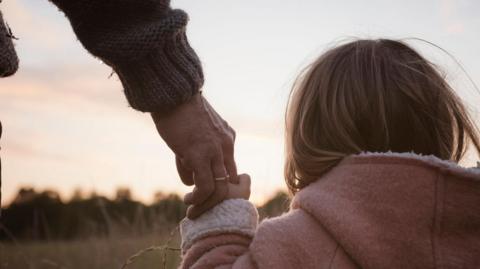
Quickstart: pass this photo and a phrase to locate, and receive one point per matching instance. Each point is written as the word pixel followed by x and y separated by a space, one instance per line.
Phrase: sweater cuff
pixel 237 216
pixel 8 56
pixel 164 78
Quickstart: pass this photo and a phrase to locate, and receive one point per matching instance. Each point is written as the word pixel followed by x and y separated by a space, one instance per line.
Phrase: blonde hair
pixel 371 95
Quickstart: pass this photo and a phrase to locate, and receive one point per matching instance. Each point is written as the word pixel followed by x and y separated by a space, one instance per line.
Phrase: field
pixel 93 253
pixel 39 231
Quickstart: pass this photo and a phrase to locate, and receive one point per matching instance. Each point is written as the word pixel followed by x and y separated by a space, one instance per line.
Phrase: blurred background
pixel 68 128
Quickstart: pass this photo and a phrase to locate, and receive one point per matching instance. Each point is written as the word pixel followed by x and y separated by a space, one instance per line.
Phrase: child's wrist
pixel 237 216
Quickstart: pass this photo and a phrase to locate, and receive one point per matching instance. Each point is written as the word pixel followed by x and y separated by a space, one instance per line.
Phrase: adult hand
pixel 233 191
pixel 204 147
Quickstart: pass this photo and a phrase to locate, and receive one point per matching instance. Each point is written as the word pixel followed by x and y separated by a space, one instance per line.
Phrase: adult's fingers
pixel 228 148
pixel 218 166
pixel 221 191
pixel 231 166
pixel 186 174
pixel 204 182
pixel 228 141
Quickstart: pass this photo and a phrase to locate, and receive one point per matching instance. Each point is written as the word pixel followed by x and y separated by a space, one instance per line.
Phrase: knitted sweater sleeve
pixel 145 44
pixel 8 56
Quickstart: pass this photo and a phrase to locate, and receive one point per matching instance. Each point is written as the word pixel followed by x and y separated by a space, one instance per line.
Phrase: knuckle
pixel 230 134
pixel 233 133
pixel 224 124
pixel 229 144
pixel 228 137
pixel 228 149
pixel 231 138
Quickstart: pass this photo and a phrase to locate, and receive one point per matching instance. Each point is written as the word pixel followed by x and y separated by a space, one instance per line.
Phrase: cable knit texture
pixel 145 44
pixel 373 210
pixel 237 216
pixel 8 57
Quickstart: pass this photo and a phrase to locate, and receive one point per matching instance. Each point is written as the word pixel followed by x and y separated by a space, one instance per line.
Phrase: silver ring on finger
pixel 225 178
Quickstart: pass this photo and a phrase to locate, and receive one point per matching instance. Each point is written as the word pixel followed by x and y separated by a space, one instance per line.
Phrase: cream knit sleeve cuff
pixel 236 216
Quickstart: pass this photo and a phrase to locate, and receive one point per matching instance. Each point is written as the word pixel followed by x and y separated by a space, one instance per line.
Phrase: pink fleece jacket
pixel 373 210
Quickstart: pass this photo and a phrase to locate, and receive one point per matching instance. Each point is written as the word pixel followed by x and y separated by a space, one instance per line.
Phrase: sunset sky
pixel 67 124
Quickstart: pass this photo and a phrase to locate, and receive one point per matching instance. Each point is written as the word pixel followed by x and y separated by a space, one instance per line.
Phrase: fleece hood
pixel 399 210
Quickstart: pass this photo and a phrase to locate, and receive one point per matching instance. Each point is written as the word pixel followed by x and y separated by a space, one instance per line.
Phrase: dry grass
pixel 146 251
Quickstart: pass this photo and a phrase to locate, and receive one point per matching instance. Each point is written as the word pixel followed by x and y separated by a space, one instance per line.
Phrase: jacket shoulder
pixel 293 240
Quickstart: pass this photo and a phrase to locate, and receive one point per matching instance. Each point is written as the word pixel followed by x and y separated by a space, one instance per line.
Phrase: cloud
pixel 27 150
pixel 89 85
pixel 455 28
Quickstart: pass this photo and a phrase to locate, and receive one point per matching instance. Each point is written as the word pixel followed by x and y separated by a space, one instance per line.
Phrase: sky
pixel 67 125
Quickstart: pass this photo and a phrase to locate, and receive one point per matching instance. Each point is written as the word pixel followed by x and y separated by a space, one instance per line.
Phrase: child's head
pixel 371 95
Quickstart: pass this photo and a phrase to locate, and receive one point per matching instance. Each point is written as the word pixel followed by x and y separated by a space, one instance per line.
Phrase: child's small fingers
pixel 240 190
pixel 186 175
pixel 245 180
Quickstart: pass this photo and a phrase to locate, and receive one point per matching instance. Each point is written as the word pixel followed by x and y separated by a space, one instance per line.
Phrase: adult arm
pixel 146 45
pixel 8 56
pixel 203 144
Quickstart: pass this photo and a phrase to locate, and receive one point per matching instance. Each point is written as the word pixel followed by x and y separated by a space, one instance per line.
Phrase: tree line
pixel 44 216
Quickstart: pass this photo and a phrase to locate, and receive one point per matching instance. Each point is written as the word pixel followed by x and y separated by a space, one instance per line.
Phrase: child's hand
pixel 240 190
pixel 234 191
